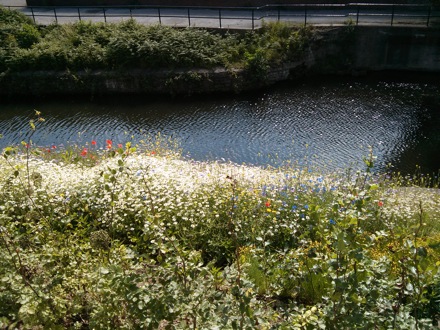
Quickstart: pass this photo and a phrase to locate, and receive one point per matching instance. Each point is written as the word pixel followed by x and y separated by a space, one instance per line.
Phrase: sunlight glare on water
pixel 325 123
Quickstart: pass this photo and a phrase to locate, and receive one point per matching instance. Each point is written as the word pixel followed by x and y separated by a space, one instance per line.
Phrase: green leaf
pixel 421 251
pixel 373 187
pixel 353 221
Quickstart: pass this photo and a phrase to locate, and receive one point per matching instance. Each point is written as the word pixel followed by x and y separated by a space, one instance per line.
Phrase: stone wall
pixel 176 82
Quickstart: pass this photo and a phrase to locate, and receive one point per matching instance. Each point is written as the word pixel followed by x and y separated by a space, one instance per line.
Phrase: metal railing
pixel 243 17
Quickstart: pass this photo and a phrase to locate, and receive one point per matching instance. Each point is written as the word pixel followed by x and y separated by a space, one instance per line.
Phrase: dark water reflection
pixel 330 122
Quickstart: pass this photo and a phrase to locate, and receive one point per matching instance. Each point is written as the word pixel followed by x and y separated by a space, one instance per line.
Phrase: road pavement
pixel 13 2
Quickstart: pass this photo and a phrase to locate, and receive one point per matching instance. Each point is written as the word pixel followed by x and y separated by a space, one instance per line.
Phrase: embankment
pixel 333 50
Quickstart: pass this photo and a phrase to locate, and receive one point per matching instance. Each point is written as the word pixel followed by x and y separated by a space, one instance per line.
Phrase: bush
pixel 16 30
pixel 129 45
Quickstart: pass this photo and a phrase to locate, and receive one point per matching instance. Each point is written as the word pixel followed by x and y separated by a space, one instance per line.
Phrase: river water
pixel 327 122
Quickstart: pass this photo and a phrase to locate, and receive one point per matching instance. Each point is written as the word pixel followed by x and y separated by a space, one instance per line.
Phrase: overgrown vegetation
pixel 116 236
pixel 87 46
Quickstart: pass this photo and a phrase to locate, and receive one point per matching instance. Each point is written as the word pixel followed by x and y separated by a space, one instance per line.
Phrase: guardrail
pixel 244 17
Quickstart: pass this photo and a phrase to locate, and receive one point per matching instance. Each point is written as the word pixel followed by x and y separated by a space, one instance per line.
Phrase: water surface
pixel 330 122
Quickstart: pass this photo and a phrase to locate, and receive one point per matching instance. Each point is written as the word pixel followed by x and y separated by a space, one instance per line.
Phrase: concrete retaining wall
pixel 397 48
pixel 178 82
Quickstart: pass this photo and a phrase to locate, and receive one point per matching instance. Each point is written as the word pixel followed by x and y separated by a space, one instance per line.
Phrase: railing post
pixel 189 19
pixel 105 16
pixel 392 16
pixel 253 15
pixel 55 13
pixel 79 14
pixel 33 15
pixel 305 15
pixel 220 17
pixel 429 16
pixel 160 18
pixel 357 15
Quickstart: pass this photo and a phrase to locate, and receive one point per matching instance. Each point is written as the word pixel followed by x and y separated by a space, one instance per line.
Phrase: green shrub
pixel 27 36
pixel 12 17
pixel 16 30
pixel 126 45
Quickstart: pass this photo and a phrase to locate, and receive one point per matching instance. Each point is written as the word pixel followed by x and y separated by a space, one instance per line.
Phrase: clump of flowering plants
pixel 142 238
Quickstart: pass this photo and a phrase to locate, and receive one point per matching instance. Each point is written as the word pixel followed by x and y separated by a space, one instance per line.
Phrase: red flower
pixel 93 143
pixel 84 152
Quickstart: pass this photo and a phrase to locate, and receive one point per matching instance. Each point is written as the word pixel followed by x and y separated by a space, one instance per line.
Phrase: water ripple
pixel 326 123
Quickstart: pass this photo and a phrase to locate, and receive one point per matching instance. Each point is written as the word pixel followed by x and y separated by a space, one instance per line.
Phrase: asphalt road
pixel 239 18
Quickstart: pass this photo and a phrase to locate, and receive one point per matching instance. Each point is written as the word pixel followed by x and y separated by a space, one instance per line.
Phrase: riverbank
pixel 115 238
pixel 128 58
